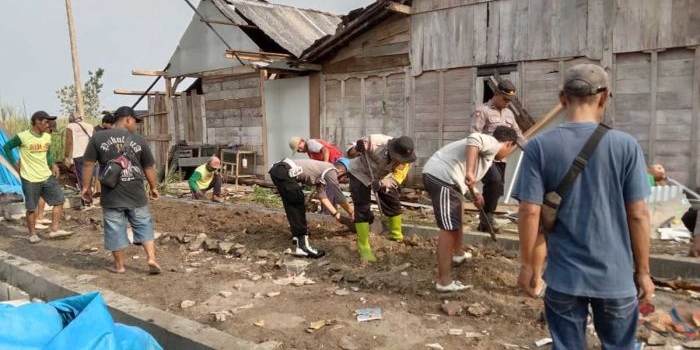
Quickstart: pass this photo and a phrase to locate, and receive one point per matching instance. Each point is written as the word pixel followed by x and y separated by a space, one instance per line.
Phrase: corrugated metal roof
pixel 292 28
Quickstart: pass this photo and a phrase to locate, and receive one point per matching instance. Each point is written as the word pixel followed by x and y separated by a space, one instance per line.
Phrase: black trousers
pixel 494 184
pixel 292 198
pixel 361 199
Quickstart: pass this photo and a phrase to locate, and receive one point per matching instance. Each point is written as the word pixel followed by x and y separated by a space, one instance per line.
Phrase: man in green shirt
pixel 38 172
pixel 207 177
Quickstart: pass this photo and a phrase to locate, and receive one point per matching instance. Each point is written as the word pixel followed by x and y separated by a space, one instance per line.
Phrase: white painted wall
pixel 287 113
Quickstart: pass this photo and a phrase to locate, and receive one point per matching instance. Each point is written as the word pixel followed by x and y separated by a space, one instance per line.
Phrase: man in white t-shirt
pixel 447 177
pixel 78 134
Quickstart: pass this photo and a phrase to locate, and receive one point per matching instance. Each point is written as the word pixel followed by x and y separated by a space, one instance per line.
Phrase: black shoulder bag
pixel 552 199
pixel 112 172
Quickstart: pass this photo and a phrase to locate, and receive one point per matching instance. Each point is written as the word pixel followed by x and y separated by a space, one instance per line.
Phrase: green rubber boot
pixel 363 242
pixel 395 233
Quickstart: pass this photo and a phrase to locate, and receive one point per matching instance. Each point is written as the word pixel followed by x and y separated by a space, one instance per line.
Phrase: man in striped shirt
pixel 447 177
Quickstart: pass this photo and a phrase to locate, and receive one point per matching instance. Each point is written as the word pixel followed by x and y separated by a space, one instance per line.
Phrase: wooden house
pixel 418 68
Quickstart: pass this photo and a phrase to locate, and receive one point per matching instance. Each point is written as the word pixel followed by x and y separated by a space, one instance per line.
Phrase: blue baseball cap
pixel 344 161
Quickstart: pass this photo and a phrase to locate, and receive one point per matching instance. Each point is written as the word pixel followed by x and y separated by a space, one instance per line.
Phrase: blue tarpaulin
pixel 76 323
pixel 8 182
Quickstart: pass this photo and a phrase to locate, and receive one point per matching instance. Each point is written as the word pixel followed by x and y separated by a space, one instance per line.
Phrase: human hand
pixel 530 282
pixel 154 193
pixel 337 216
pixel 85 195
pixel 470 179
pixel 478 200
pixel 645 287
pixel 55 171
pixel 66 161
pixel 695 247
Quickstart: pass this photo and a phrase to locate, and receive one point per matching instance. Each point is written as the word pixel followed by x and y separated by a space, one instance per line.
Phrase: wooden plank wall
pixel 658 24
pixel 653 101
pixel 233 113
pixel 472 33
pixel 183 122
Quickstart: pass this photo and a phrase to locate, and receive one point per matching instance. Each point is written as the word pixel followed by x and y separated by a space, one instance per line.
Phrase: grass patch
pixel 266 197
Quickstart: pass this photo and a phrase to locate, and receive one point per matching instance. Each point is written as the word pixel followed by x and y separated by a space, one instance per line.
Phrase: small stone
pixel 477 310
pixel 473 335
pixel 342 292
pixel 287 251
pixel 255 278
pixel 165 240
pixel 187 238
pixel 257 296
pixel 224 247
pixel 190 270
pixel 273 294
pixel 178 236
pixel 225 294
pixel 186 304
pixel 434 346
pixel 334 267
pixel 262 253
pixel 404 273
pixel 655 339
pixel 135 257
pixel 211 244
pixel 198 242
pixel 337 277
pixel 355 289
pixel 260 323
pixel 351 277
pixel 238 246
pixel 692 345
pixel 452 309
pixel 238 286
pixel 195 264
pixel 346 343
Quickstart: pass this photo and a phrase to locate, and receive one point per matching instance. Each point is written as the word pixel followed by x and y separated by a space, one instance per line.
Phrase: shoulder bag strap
pixel 82 127
pixel 581 159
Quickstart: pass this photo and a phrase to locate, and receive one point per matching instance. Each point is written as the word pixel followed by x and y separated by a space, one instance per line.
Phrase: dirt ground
pixel 259 306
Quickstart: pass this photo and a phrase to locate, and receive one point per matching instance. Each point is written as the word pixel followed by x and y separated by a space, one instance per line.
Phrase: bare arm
pixel 152 182
pixel 68 149
pixel 326 154
pixel 640 227
pixel 532 248
pixel 472 156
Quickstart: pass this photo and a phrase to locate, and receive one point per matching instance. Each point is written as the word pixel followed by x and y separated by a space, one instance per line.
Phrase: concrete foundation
pixel 172 332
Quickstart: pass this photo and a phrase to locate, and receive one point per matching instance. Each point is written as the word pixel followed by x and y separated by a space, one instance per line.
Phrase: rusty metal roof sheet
pixel 292 28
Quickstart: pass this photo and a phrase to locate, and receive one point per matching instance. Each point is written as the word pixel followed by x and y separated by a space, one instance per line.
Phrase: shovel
pixel 385 228
pixel 483 215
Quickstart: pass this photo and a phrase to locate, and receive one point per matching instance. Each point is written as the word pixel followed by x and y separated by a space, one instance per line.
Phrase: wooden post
pixel 652 110
pixel 694 122
pixel 168 92
pixel 263 112
pixel 74 54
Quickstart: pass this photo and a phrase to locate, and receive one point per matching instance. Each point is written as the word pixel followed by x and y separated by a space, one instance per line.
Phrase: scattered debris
pixel 543 342
pixel 434 346
pixel 368 314
pixel 262 253
pixel 242 307
pixel 135 257
pixel 342 292
pixel 198 242
pixel 257 296
pixel 220 316
pixel 224 247
pixel 272 294
pixel 186 304
pixel 255 278
pixel 655 339
pixel 225 294
pixel 260 323
pixel 316 325
pixel 678 234
pixel 355 289
pixel 477 310
pixel 452 309
pixel 294 280
pixel 211 244
pixel 455 331
pixel 474 335
pixel 692 345
pixel 85 278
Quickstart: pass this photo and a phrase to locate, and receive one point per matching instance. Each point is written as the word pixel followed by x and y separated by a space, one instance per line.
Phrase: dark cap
pixel 401 149
pixel 507 89
pixel 126 111
pixel 585 79
pixel 42 115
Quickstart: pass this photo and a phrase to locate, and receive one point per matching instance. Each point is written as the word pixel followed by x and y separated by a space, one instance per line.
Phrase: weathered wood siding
pixel 234 113
pixel 653 101
pixel 385 46
pixel 472 33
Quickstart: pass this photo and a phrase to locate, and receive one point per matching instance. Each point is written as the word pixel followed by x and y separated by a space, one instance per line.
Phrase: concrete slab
pixel 171 331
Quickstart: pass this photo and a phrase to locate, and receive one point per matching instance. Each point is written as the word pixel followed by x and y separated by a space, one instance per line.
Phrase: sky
pixel 118 36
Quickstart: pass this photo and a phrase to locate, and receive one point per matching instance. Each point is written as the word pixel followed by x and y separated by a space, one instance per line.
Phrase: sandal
pixel 34 239
pixel 59 234
pixel 154 269
pixel 458 259
pixel 43 221
pixel 454 286
pixel 113 269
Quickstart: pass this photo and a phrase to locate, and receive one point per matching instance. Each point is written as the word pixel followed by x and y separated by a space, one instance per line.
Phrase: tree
pixel 91 96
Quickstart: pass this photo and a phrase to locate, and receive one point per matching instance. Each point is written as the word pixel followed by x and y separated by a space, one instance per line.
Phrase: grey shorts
pixel 115 221
pixel 447 202
pixel 48 189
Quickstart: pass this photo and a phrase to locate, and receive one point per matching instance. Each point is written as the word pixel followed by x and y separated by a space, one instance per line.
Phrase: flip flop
pixel 33 239
pixel 39 226
pixel 154 269
pixel 113 269
pixel 43 221
pixel 59 234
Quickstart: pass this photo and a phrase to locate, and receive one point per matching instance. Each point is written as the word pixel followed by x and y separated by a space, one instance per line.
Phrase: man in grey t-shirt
pixel 447 177
pixel 287 174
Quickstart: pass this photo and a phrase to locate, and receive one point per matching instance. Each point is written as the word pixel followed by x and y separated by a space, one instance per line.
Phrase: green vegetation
pixel 91 96
pixel 266 197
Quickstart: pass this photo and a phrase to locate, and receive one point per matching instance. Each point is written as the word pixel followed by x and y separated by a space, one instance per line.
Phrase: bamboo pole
pixel 74 54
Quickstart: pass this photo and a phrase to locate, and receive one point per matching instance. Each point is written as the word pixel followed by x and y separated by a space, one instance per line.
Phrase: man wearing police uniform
pixel 486 119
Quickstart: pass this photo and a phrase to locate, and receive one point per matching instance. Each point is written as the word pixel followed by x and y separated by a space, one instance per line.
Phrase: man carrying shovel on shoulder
pixel 287 174
pixel 448 175
pixel 382 166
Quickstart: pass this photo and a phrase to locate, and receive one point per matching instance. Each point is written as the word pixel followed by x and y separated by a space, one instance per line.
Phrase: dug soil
pixel 261 303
